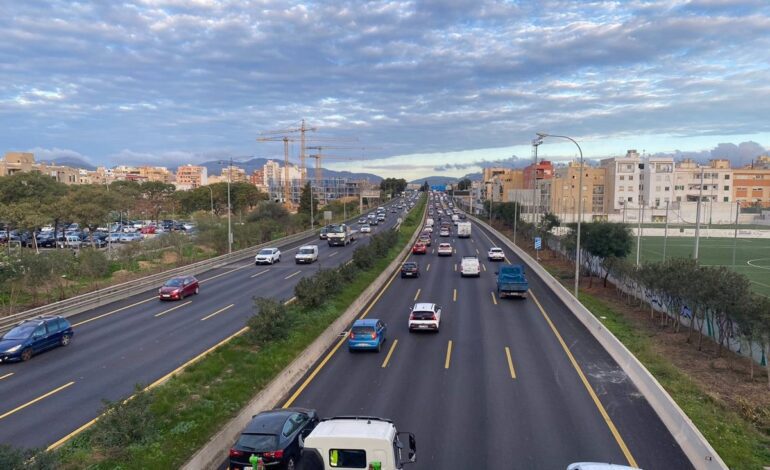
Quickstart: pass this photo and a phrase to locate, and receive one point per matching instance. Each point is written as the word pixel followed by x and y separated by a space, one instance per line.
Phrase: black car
pixel 410 269
pixel 274 436
pixel 322 234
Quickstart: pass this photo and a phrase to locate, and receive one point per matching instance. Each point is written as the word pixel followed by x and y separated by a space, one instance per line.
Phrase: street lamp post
pixel 229 206
pixel 541 136
pixel 535 144
pixel 211 195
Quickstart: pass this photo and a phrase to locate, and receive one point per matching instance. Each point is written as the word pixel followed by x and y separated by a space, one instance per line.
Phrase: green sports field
pixel 752 255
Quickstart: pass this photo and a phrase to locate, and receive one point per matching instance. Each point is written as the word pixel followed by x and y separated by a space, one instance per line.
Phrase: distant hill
pixel 435 180
pixel 256 163
pixel 72 162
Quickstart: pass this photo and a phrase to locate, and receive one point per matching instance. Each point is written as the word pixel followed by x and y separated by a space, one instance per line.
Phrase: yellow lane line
pixel 428 268
pixel 342 340
pixel 217 312
pixel 173 308
pixel 494 298
pixel 291 300
pixel 161 380
pixel 260 273
pixel 390 353
pixel 292 275
pixel 448 354
pixel 32 402
pixel 114 311
pixel 587 385
pixel 510 362
pixel 454 295
pixel 417 295
pixel 334 254
pixel 224 273
pixel 6 375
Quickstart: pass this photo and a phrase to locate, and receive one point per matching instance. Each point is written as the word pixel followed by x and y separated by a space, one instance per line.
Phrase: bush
pixel 270 322
pixel 123 424
pixel 93 263
pixel 12 458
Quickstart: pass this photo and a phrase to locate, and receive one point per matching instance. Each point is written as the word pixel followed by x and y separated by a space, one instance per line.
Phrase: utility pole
pixel 697 218
pixel 639 232
pixel 229 209
pixel 735 235
pixel 665 233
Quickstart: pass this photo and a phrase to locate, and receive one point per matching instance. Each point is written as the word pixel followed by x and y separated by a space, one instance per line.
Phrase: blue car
pixel 367 334
pixel 35 336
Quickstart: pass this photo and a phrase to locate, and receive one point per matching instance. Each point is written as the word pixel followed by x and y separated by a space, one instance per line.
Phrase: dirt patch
pixel 145 265
pixel 727 378
pixel 170 257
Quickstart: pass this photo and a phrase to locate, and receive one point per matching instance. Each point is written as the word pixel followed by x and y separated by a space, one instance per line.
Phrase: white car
pixel 444 249
pixel 444 232
pixel 366 228
pixel 470 266
pixel 427 229
pixel 306 254
pixel 496 254
pixel 268 256
pixel 425 316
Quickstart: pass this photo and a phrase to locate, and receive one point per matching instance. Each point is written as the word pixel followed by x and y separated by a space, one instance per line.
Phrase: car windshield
pixel 336 229
pixel 363 330
pixel 306 251
pixel 21 331
pixel 258 442
pixel 266 251
pixel 173 283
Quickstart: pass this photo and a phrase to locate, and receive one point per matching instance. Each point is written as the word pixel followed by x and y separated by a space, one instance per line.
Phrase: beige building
pixel 751 186
pixel 191 177
pixel 562 191
pixel 624 181
pixel 504 183
pixel 24 162
pixel 233 174
pixel 716 179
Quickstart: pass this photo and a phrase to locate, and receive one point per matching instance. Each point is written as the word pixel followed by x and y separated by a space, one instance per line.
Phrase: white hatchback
pixel 424 317
pixel 444 249
pixel 496 254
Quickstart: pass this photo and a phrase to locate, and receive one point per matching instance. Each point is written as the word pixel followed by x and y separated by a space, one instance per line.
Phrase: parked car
pixel 275 437
pixel 368 334
pixel 268 256
pixel 444 249
pixel 425 316
pixel 496 254
pixel 34 336
pixel 366 228
pixel 131 237
pixel 306 254
pixel 148 229
pixel 419 248
pixel 410 269
pixel 178 288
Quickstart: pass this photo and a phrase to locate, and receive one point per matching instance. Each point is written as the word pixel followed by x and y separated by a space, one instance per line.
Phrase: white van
pixel 356 442
pixel 306 254
pixel 463 229
pixel 429 222
pixel 470 266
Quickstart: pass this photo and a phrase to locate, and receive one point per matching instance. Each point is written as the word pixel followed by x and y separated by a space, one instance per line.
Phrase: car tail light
pixel 374 335
pixel 276 454
pixel 352 335
pixel 433 317
pixel 236 453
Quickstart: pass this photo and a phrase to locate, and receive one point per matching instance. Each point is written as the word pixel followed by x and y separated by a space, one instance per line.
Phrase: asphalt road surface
pixel 496 387
pixel 139 340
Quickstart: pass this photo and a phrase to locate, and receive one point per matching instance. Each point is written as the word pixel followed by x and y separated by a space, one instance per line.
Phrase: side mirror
pixel 497 272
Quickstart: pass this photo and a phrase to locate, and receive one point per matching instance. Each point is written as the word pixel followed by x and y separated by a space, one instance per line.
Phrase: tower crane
pixel 318 156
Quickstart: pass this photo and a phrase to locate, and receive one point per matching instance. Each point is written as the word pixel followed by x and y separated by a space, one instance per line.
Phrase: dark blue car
pixel 367 334
pixel 31 337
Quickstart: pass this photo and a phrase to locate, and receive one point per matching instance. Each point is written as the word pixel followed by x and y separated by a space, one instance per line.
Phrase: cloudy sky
pixel 425 86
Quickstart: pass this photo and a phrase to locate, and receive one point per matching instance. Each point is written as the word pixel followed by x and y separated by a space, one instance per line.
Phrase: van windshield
pixel 336 229
pixel 306 251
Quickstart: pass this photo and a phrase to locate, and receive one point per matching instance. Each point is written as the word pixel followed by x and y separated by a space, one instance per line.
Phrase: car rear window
pixel 363 330
pixel 347 458
pixel 422 315
pixel 258 442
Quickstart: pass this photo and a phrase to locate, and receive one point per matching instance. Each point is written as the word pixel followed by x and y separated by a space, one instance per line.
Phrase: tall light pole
pixel 535 144
pixel 229 207
pixel 697 218
pixel 541 136
pixel 211 195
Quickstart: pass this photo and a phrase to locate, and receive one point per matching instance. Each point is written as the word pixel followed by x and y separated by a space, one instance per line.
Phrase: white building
pixel 657 181
pixel 716 179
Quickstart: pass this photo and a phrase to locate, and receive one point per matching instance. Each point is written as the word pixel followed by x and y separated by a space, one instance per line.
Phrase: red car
pixel 147 229
pixel 178 288
pixel 419 248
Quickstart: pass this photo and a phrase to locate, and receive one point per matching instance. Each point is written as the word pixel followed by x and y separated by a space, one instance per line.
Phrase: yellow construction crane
pixel 318 156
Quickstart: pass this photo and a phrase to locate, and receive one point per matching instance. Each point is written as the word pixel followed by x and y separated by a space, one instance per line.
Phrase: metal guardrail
pixel 83 302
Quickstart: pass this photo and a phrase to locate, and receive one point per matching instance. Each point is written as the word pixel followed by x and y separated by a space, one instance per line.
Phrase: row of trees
pixel 393 186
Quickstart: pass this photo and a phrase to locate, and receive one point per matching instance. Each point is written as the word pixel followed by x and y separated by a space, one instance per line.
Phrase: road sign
pixel 327 215
pixel 370 194
pixel 538 243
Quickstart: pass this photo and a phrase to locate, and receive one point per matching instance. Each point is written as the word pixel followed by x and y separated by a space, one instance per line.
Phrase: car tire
pixel 181 295
pixel 197 290
pixel 65 340
pixel 26 355
pixel 290 464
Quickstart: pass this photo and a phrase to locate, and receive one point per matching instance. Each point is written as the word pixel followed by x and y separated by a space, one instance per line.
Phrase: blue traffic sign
pixel 538 243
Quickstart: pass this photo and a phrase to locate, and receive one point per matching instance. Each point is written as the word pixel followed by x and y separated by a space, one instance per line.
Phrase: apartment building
pixel 561 192
pixel 712 182
pixel 623 181
pixel 657 181
pixel 751 186
pixel 191 177
pixel 233 174
pixel 543 170
pixel 24 162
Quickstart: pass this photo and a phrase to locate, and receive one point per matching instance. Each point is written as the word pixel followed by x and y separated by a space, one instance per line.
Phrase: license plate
pixel 248 468
pixel 166 296
pixel 422 326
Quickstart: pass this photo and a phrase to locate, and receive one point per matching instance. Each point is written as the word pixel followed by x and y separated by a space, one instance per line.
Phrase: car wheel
pixel 197 290
pixel 26 355
pixel 181 295
pixel 65 340
pixel 290 464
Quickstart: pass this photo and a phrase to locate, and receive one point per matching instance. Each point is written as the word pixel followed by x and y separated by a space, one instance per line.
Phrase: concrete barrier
pixel 216 450
pixel 689 438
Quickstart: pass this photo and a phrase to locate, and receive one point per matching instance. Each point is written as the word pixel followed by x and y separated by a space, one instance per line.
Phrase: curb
pixel 216 450
pixel 693 444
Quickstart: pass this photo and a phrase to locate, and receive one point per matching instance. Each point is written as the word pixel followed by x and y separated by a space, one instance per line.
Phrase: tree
pixel 393 186
pixel 425 187
pixel 607 242
pixel 305 199
pixel 154 196
pixel 464 184
pixel 245 197
pixel 90 205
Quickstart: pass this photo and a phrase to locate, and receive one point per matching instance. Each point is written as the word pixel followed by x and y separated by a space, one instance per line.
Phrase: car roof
pixel 424 306
pixel 366 322
pixel 270 422
pixel 494 248
pixel 308 246
pixel 444 245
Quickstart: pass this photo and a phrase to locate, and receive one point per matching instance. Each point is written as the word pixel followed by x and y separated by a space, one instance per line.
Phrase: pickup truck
pixel 511 281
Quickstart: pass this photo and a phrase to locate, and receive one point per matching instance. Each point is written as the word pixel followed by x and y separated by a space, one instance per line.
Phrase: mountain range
pixel 70 161
pixel 256 163
pixel 444 180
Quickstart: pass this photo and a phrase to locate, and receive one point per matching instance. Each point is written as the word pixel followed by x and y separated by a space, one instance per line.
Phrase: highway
pixel 512 383
pixel 140 340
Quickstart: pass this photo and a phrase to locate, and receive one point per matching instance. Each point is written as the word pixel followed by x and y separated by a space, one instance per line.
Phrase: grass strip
pixel 736 440
pixel 179 417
